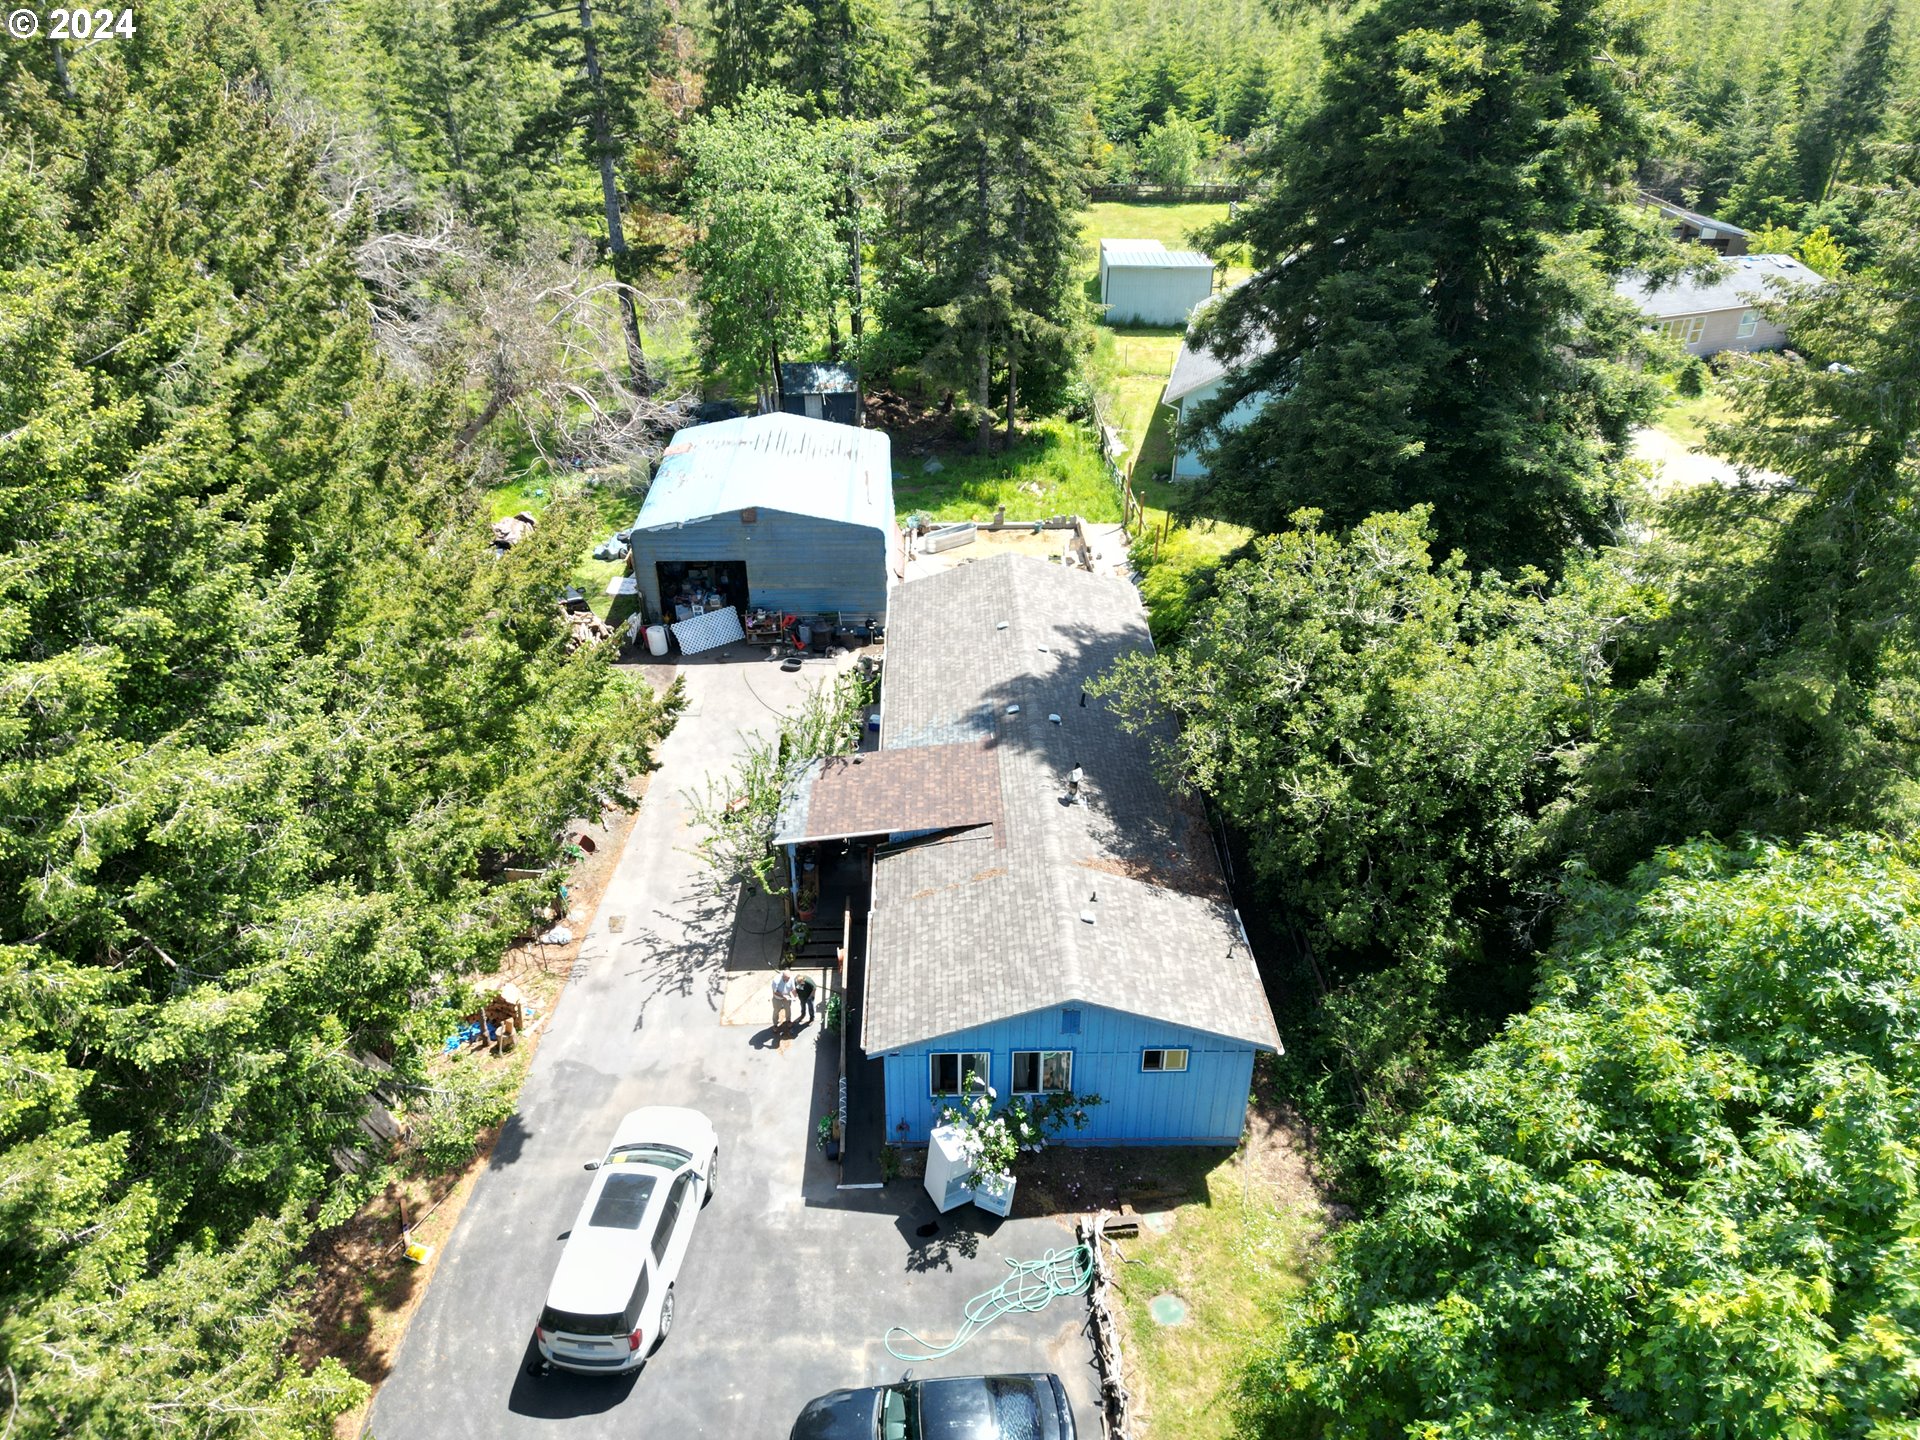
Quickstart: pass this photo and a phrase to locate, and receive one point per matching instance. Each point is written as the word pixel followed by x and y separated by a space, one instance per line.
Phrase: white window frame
pixel 1163 1068
pixel 1040 1072
pixel 1687 329
pixel 983 1067
pixel 1749 322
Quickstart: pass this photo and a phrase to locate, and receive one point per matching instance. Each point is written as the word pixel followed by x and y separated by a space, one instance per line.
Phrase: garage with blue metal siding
pixel 776 511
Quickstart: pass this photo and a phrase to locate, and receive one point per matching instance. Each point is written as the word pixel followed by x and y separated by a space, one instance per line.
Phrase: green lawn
pixel 1055 469
pixel 1235 1259
pixel 1686 420
pixel 614 498
pixel 1131 366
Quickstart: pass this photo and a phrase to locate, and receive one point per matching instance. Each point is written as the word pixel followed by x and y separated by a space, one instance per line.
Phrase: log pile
pixel 586 629
pixel 1114 1400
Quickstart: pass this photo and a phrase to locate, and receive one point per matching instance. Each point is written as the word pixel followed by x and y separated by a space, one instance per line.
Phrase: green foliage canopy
pixel 1429 324
pixel 1676 1198
pixel 269 705
pixel 1785 696
pixel 760 188
pixel 1388 732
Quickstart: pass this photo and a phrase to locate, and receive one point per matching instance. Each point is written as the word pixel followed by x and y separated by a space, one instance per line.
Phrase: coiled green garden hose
pixel 1033 1285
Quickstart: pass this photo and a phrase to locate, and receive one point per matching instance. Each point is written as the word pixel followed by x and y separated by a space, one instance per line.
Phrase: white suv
pixel 611 1301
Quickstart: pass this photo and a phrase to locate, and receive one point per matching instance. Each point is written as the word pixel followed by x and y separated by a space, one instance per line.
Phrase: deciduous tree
pixel 1676 1198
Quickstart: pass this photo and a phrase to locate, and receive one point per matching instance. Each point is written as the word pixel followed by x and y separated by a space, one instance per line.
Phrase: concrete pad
pixel 748 996
pixel 789 1284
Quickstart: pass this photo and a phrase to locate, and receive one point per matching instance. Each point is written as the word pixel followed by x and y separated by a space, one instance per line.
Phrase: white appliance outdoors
pixel 948 1165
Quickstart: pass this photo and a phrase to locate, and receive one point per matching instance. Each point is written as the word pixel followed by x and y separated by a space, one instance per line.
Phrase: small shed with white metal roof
pixel 1144 283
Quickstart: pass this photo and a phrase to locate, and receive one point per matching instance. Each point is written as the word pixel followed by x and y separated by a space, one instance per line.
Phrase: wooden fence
pixel 1166 194
pixel 1113 452
pixel 1114 1399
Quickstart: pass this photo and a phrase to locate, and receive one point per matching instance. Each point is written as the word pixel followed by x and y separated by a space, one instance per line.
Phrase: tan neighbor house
pixel 1721 310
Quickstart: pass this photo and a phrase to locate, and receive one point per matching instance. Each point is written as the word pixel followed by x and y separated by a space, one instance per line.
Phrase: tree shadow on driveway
pixel 935 1240
pixel 547 1394
pixel 683 952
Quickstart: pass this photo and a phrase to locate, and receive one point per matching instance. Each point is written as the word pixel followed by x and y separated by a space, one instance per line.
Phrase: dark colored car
pixel 974 1407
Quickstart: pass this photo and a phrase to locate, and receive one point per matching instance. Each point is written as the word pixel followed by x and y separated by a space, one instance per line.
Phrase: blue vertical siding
pixel 800 563
pixel 1205 1105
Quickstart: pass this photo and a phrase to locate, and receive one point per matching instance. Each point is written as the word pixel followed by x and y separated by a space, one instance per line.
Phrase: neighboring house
pixel 821 392
pixel 1693 228
pixel 770 510
pixel 1034 934
pixel 1144 283
pixel 1196 378
pixel 1721 311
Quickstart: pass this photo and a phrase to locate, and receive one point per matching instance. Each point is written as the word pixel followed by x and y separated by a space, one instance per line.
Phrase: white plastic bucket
pixel 656 639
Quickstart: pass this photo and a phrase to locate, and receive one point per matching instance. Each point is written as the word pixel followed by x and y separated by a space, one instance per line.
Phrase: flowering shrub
pixel 994 1138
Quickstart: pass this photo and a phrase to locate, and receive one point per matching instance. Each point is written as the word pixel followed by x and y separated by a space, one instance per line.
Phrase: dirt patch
pixel 1045 544
pixel 364 1290
pixel 914 428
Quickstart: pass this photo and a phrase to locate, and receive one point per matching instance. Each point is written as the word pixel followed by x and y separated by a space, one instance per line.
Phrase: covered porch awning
pixel 891 792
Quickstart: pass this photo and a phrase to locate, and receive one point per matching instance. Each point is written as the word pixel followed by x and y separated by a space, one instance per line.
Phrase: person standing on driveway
pixel 803 990
pixel 782 1001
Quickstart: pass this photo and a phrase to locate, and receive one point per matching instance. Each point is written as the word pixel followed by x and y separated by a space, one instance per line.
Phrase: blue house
pixel 774 511
pixel 1197 378
pixel 1046 915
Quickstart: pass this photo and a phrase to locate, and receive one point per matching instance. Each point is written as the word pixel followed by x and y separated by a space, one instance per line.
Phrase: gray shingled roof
pixel 988 925
pixel 1196 365
pixel 1735 283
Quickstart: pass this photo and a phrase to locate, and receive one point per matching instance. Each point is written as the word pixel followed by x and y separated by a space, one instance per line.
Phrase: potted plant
pixel 824 1137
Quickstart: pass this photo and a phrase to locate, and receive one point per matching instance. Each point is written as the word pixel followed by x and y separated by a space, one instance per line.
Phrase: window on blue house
pixel 1069 1022
pixel 951 1072
pixel 1043 1072
pixel 1163 1060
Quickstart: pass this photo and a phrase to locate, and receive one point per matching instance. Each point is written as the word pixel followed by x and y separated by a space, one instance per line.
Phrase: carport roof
pixel 773 462
pixel 1113 898
pixel 891 792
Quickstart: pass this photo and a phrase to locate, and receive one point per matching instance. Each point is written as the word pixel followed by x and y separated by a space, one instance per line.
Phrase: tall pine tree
pixel 1425 328
pixel 982 293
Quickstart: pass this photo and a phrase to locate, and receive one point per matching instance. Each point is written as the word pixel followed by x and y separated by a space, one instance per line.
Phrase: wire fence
pixel 1166 194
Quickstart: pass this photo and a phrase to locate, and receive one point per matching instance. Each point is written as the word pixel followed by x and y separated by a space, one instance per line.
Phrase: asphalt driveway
pixel 790 1284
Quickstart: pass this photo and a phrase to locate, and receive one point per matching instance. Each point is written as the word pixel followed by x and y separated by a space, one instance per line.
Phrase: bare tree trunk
pixel 856 300
pixel 1019 237
pixel 610 194
pixel 983 387
pixel 470 432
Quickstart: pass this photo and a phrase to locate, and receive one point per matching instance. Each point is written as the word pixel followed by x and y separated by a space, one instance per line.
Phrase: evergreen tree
pixel 1849 112
pixel 611 58
pixel 268 705
pixel 982 290
pixel 841 59
pixel 1429 324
